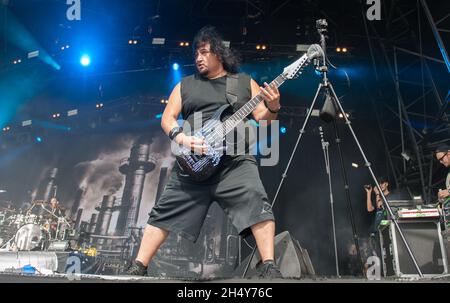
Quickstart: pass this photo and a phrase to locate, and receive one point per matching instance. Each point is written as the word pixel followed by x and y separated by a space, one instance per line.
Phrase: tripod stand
pixel 325 84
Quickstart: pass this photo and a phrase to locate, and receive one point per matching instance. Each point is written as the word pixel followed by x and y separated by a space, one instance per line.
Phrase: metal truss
pixel 410 108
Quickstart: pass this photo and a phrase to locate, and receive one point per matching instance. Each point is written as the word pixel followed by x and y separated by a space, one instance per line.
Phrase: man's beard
pixel 203 72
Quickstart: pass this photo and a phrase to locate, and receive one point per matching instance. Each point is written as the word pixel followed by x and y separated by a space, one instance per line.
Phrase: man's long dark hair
pixel 208 34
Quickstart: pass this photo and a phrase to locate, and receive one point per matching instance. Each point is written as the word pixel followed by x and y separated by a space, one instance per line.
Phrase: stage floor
pixel 62 278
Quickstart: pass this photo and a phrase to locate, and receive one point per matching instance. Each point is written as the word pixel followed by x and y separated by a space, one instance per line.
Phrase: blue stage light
pixel 175 66
pixel 38 139
pixel 85 60
pixel 283 130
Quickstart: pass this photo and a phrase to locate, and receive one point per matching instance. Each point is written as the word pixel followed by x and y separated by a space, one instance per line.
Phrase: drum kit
pixel 35 228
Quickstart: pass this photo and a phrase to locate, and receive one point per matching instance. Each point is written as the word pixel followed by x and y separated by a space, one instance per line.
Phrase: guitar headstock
pixel 293 70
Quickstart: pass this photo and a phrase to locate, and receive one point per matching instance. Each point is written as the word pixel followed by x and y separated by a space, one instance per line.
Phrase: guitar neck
pixel 229 124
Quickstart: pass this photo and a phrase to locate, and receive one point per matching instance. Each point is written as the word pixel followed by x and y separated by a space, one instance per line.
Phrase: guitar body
pixel 201 167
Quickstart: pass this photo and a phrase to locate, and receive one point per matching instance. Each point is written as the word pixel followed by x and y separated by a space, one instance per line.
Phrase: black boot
pixel 136 269
pixel 268 270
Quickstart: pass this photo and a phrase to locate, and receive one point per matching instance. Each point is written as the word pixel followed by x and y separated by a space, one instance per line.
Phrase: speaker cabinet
pixel 426 243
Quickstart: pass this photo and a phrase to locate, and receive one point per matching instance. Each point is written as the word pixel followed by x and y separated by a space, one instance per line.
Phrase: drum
pixel 19 220
pixel 31 218
pixel 66 233
pixel 31 237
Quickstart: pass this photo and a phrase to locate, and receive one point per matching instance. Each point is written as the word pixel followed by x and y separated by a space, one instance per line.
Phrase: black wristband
pixel 175 132
pixel 273 112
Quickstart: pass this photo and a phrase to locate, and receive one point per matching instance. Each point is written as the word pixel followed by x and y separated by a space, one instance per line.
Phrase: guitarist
pixel 236 186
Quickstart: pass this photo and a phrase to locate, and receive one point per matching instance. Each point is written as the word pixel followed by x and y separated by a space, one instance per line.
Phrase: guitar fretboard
pixel 229 124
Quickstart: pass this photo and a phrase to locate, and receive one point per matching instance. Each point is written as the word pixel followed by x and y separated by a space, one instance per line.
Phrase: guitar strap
pixel 232 89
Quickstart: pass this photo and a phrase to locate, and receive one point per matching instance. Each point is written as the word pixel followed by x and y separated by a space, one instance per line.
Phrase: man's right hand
pixel 197 145
pixel 368 188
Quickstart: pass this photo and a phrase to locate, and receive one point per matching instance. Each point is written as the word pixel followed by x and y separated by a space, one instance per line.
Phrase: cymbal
pixel 7 209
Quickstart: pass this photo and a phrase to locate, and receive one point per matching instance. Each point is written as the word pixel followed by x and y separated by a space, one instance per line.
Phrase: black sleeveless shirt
pixel 199 94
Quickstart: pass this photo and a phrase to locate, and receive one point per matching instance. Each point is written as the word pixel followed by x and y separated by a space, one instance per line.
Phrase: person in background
pixel 442 155
pixel 378 207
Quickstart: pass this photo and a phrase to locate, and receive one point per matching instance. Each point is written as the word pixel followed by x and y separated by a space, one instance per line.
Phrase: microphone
pixel 314 52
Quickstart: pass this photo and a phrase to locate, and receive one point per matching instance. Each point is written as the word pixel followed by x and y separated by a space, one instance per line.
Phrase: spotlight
pixel 355 165
pixel 6 128
pixel 283 130
pixel 63 47
pixel 135 42
pixel 158 116
pixel 261 46
pixel 184 44
pixel 67 46
pixel 99 105
pixel 159 41
pixel 38 139
pixel 342 116
pixel 406 155
pixel 344 50
pixel 130 41
pixel 85 60
pixel 164 101
pixel 302 47
pixel 56 115
pixel 175 66
pixel 72 112
pixel 338 49
pixel 33 54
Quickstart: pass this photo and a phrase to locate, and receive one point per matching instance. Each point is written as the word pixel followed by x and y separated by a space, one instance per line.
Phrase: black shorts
pixel 236 187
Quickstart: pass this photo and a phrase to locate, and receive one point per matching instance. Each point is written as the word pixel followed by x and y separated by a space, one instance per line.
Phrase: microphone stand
pixel 326 155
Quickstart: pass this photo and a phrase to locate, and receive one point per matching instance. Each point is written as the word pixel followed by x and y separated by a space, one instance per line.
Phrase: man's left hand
pixel 271 95
pixel 442 194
